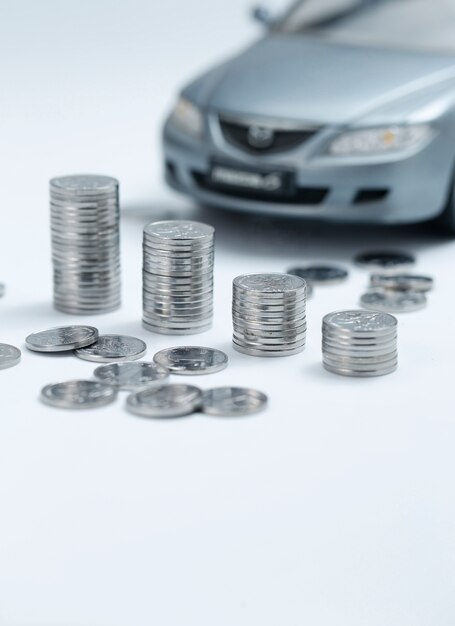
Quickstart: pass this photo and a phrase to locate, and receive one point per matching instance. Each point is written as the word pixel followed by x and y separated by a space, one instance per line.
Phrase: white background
pixel 335 507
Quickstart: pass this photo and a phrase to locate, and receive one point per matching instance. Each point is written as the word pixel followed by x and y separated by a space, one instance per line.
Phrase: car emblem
pixel 260 137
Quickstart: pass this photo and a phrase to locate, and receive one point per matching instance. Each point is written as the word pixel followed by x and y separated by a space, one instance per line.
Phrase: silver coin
pixel 181 321
pixel 111 348
pixel 273 284
pixel 180 230
pixel 278 340
pixel 402 282
pixel 361 323
pixel 385 260
pixel 256 321
pixel 271 345
pixel 360 362
pixel 2 290
pixel 83 184
pixel 320 274
pixel 343 350
pixel 360 373
pixel 178 313
pixel 180 301
pixel 268 353
pixel 78 394
pixel 62 338
pixel 9 356
pixel 172 257
pixel 233 401
pixel 174 400
pixel 394 302
pixel 269 332
pixel 263 314
pixel 178 331
pixel 275 304
pixel 191 360
pixel 78 310
pixel 85 243
pixel 132 375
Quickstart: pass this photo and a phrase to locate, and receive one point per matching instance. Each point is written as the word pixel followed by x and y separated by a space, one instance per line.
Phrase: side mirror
pixel 262 15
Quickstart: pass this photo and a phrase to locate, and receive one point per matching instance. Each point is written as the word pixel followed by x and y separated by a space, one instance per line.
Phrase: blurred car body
pixel 344 110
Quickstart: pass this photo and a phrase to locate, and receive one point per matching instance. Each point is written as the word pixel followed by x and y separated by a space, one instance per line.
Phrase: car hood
pixel 306 78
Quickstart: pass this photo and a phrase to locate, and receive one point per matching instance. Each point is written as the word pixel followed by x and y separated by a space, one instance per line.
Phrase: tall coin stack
pixel 85 243
pixel 178 259
pixel 359 343
pixel 269 314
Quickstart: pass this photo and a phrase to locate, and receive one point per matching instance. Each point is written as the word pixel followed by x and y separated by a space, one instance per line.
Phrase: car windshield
pixel 418 24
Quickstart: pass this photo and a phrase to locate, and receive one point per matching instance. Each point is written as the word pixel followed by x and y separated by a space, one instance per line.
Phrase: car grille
pixel 239 134
pixel 311 196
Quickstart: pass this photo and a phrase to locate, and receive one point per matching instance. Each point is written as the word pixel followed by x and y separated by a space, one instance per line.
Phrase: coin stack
pixel 359 343
pixel 85 243
pixel 269 314
pixel 178 258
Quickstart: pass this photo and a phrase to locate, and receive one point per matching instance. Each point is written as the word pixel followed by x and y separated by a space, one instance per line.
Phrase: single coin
pixel 393 301
pixel 402 282
pixel 232 401
pixel 2 290
pixel 9 356
pixel 384 260
pixel 62 338
pixel 288 351
pixel 320 274
pixel 83 184
pixel 361 323
pixel 273 284
pixel 360 362
pixel 180 230
pixel 109 348
pixel 343 371
pixel 132 375
pixel 191 360
pixel 78 394
pixel 165 401
pixel 172 330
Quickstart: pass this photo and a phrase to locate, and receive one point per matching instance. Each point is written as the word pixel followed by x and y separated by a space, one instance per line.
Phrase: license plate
pixel 270 182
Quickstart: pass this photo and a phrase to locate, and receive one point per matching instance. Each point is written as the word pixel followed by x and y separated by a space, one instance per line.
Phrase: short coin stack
pixel 359 343
pixel 178 259
pixel 269 314
pixel 85 243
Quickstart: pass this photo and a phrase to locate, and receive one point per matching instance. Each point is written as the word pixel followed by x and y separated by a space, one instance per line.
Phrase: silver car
pixel 344 110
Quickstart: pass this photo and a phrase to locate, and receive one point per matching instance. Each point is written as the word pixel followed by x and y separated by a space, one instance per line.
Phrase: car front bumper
pixel 396 189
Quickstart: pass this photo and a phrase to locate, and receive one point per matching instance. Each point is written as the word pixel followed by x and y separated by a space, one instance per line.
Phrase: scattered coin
pixel 359 343
pixel 402 282
pixel 2 290
pixel 320 274
pixel 78 394
pixel 110 348
pixel 393 301
pixel 9 356
pixel 383 260
pixel 191 360
pixel 132 375
pixel 166 401
pixel 62 338
pixel 232 401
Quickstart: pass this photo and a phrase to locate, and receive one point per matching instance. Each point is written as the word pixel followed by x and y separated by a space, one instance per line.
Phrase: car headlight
pixel 382 140
pixel 188 118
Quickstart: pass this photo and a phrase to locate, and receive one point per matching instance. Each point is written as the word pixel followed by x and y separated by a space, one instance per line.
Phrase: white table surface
pixel 335 507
